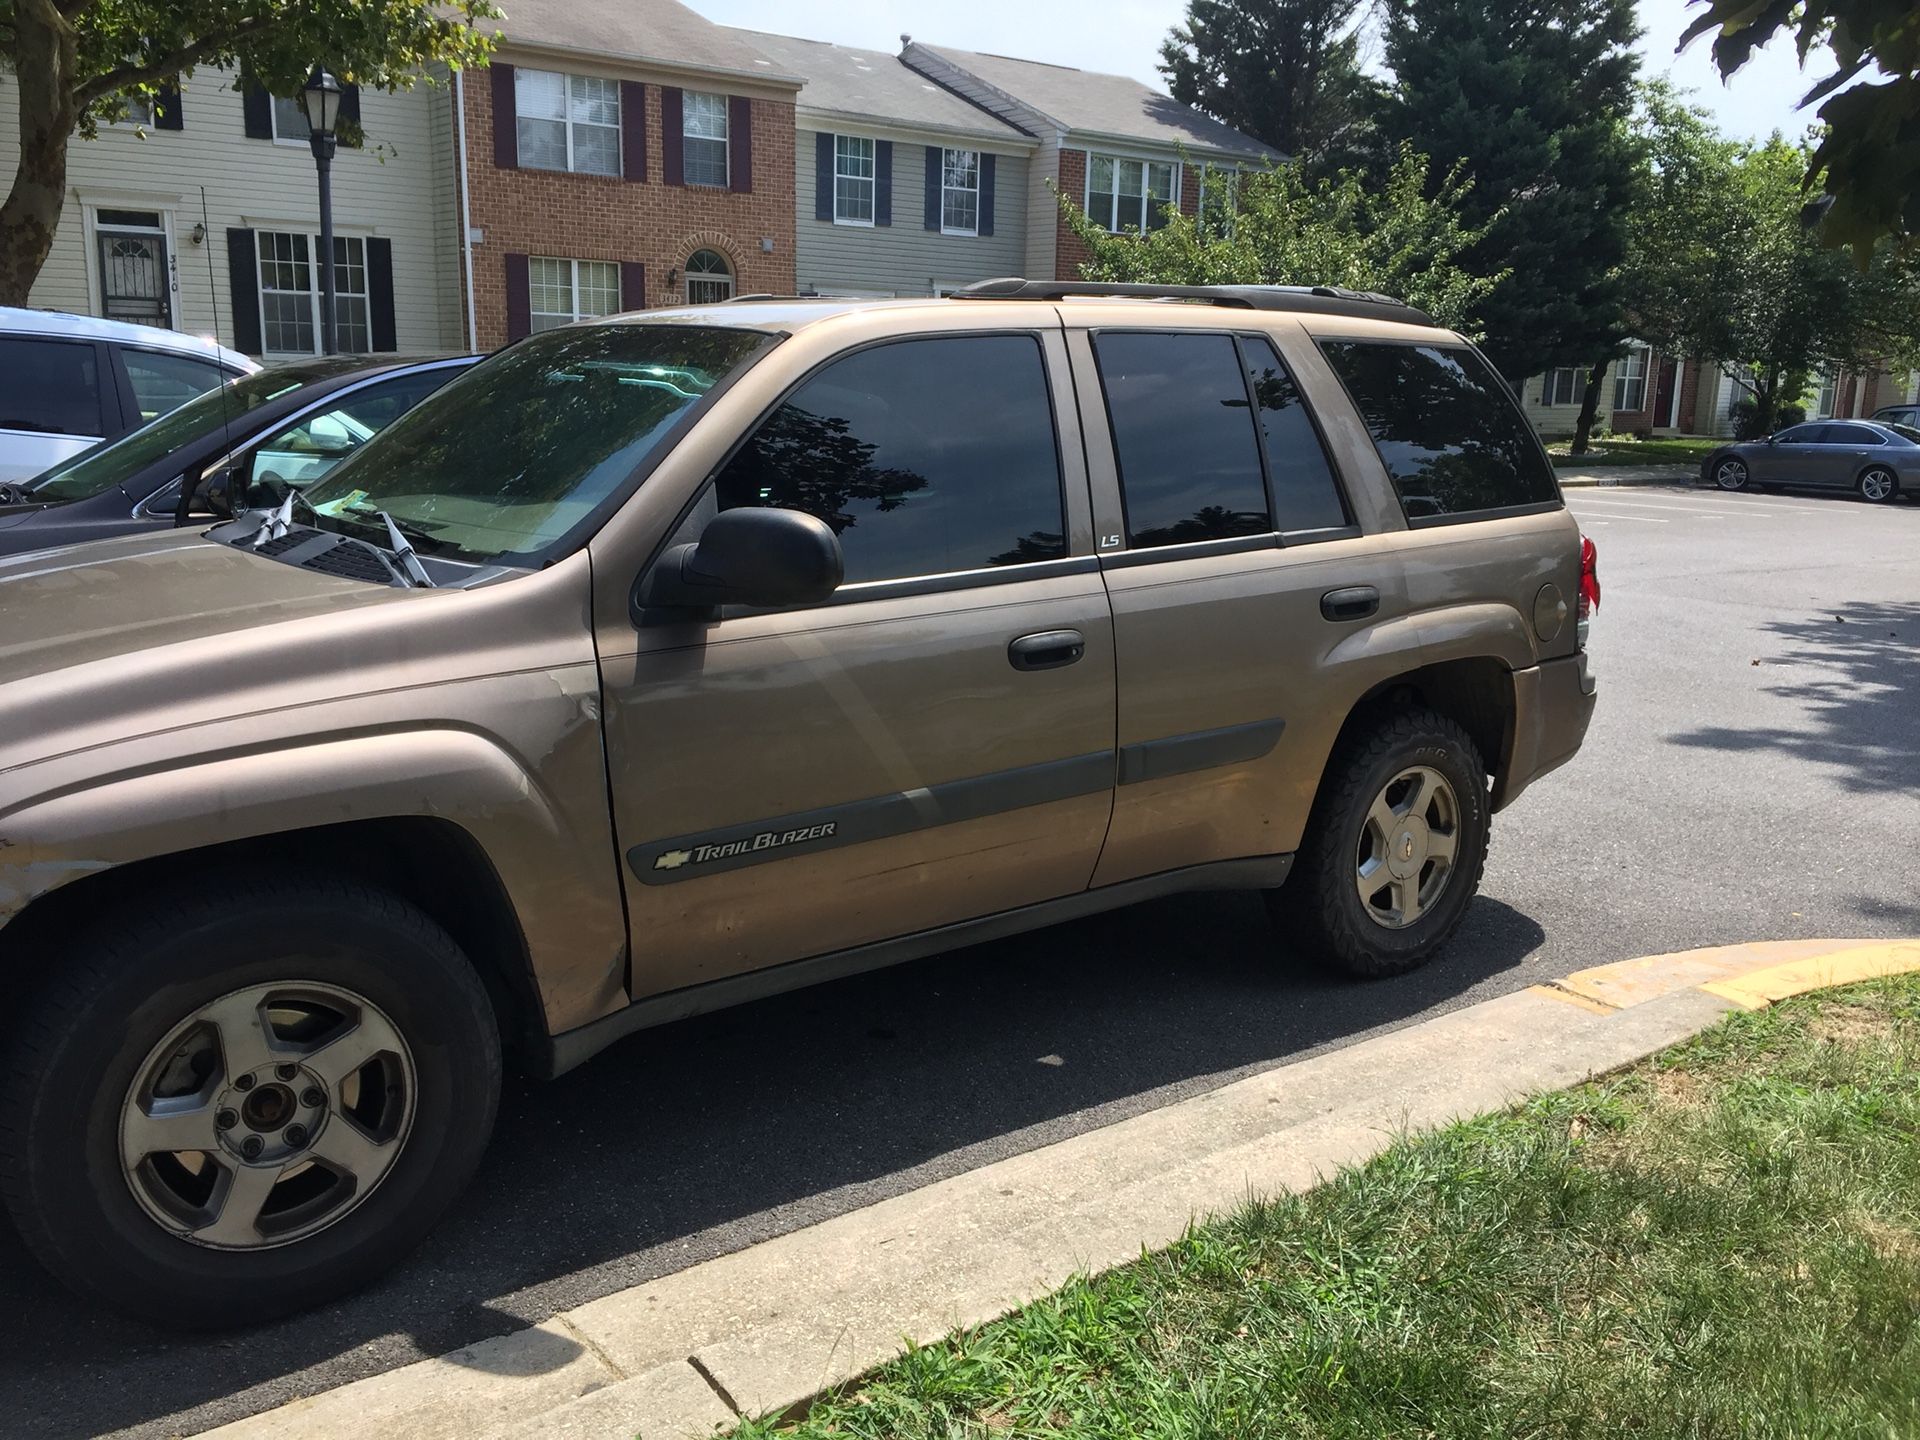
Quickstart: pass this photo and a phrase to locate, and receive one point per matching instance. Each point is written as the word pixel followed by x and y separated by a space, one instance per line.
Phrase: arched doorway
pixel 709 278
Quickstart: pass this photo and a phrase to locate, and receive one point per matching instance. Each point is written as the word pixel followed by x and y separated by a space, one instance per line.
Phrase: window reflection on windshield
pixel 510 457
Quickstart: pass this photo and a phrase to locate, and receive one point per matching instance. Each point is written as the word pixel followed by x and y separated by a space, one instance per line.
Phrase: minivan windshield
pixel 506 460
pixel 115 462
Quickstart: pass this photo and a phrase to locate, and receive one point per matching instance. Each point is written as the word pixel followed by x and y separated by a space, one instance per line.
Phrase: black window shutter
pixel 166 108
pixel 883 182
pixel 519 299
pixel 936 158
pixel 243 276
pixel 633 285
pixel 740 144
pixel 256 106
pixel 380 295
pixel 823 177
pixel 673 135
pixel 986 194
pixel 349 118
pixel 633 130
pixel 506 120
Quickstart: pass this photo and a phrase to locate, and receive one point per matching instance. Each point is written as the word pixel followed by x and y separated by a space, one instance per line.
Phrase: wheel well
pixel 1476 694
pixel 432 863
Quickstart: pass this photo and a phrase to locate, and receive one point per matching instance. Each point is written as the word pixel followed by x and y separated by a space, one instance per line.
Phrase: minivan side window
pixel 49 387
pixel 1451 438
pixel 1183 437
pixel 166 382
pixel 925 456
pixel 1305 494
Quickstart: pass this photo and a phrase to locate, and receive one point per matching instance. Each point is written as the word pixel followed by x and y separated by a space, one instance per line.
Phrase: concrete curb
pixel 765 1328
pixel 1574 478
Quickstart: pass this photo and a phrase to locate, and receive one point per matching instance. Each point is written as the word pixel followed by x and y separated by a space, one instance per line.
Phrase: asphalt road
pixel 1753 772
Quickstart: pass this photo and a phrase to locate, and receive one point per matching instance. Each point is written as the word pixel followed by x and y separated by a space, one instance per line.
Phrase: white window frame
pixel 947 155
pixel 274 102
pixel 1111 221
pixel 1631 370
pixel 725 137
pixel 574 311
pixel 691 277
pixel 871 179
pixel 569 124
pixel 1227 176
pixel 364 295
pixel 1575 391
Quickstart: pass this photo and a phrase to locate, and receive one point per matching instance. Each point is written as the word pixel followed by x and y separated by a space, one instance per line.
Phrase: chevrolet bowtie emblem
pixel 673 860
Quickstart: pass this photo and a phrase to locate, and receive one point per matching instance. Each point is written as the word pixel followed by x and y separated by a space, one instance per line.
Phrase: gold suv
pixel 663 662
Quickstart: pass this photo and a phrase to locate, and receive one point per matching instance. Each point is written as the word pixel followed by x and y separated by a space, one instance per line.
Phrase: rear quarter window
pixel 49 387
pixel 1451 438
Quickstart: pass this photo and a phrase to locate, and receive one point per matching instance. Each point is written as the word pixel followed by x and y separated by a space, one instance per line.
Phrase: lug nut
pixel 296 1135
pixel 252 1147
pixel 312 1098
pixel 243 1082
pixel 226 1120
pixel 286 1072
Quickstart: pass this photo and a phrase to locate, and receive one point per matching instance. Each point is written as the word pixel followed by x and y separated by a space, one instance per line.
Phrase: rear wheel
pixel 222 1111
pixel 1730 473
pixel 1394 850
pixel 1879 485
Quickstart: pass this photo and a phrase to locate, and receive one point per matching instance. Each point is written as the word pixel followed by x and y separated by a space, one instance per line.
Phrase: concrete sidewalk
pixel 1573 478
pixel 760 1329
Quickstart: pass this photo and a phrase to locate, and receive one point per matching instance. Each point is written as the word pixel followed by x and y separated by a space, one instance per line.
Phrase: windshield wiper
pixel 281 520
pixel 403 553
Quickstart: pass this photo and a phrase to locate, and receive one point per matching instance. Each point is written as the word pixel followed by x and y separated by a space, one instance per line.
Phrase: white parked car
pixel 71 381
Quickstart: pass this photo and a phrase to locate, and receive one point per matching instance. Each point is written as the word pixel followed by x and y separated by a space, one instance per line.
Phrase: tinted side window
pixel 166 382
pixel 1852 435
pixel 50 387
pixel 925 456
pixel 1804 435
pixel 1449 436
pixel 1183 435
pixel 1305 494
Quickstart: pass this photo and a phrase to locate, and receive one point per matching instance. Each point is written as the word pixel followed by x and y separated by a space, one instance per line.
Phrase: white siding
pixel 1554 421
pixel 905 258
pixel 1043 213
pixel 388 189
pixel 450 288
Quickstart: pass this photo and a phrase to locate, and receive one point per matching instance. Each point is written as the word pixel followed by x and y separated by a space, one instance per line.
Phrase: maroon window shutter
pixel 506 120
pixel 633 285
pixel 519 299
pixel 633 130
pixel 673 135
pixel 739 143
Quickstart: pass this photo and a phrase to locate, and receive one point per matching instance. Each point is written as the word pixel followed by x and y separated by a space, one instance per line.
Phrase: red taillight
pixel 1589 588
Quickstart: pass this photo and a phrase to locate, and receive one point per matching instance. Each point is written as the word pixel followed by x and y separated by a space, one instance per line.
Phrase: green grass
pixel 1666 450
pixel 1724 1241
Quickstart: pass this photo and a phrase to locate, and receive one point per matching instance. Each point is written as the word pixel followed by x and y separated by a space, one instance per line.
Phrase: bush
pixel 1746 418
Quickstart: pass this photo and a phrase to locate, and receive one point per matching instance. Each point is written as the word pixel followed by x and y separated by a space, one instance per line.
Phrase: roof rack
pixel 1306 299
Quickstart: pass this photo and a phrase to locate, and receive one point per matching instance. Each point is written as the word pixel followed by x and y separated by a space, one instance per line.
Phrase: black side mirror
pixel 750 557
pixel 211 496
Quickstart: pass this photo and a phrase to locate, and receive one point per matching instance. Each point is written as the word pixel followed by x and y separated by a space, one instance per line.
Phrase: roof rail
pixel 1306 299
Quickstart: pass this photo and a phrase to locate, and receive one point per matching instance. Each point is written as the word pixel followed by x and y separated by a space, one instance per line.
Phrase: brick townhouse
pixel 621 154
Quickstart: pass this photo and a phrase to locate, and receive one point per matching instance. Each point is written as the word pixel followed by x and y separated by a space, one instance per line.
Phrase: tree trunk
pixel 1589 406
pixel 1766 399
pixel 44 60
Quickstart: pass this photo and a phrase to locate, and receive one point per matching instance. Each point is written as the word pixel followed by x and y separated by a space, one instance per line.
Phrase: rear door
pixel 910 754
pixel 1845 453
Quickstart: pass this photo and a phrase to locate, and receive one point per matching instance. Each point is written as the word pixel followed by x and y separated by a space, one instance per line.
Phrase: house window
pixel 290 294
pixel 1129 194
pixel 960 192
pixel 1565 386
pixel 567 122
pixel 704 131
pixel 852 180
pixel 290 120
pixel 1829 395
pixel 567 290
pixel 709 278
pixel 139 114
pixel 1219 198
pixel 1630 381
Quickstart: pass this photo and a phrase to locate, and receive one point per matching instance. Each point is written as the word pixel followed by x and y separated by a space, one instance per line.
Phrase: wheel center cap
pixel 1407 848
pixel 271 1115
pixel 268 1107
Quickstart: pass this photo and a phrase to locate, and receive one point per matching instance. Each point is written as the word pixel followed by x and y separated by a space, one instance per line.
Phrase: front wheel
pixel 1879 485
pixel 224 1110
pixel 1394 850
pixel 1730 473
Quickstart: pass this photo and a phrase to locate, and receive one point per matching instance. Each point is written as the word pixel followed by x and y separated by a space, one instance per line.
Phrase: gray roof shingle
pixel 660 32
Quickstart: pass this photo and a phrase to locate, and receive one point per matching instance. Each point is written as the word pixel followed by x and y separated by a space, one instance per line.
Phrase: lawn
pixel 1665 450
pixel 1723 1241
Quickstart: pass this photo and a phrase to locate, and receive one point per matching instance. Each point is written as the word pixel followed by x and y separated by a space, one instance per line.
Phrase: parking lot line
pixel 1694 509
pixel 1622 515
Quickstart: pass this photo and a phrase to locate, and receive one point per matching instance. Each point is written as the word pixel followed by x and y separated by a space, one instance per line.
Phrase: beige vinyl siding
pixel 1558 420
pixel 1042 251
pixel 905 258
pixel 450 288
pixel 387 189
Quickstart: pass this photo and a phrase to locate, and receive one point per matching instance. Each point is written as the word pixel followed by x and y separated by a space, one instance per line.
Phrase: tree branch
pixel 182 59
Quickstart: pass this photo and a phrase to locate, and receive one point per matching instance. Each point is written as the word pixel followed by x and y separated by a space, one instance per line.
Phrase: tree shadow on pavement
pixel 1856 677
pixel 699 1138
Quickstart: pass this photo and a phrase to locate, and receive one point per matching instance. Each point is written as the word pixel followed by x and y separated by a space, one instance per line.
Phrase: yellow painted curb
pixel 1627 983
pixel 1762 988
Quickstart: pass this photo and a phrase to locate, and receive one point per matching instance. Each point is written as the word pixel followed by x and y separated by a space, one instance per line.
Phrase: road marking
pixel 1622 515
pixel 1679 509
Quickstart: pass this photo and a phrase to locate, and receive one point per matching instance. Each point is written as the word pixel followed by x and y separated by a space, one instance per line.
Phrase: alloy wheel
pixel 1730 474
pixel 1407 847
pixel 1878 484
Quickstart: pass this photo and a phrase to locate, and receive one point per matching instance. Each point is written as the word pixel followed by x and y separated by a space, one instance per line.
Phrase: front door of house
pixel 1663 396
pixel 135 283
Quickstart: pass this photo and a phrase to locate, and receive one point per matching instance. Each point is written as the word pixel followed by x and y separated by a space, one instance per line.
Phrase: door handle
pixel 1355 602
pixel 1048 650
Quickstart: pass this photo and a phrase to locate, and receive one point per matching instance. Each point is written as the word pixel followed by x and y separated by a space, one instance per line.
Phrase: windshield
pixel 115 462
pixel 510 457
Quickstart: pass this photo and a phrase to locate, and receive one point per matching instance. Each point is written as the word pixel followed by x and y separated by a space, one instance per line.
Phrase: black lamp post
pixel 321 100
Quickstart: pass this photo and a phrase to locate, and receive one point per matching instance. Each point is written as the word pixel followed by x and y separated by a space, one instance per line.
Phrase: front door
pixel 1665 394
pixel 910 754
pixel 1791 457
pixel 135 282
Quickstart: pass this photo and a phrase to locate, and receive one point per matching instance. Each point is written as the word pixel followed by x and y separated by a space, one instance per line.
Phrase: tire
pixel 1321 908
pixel 1878 485
pixel 288 968
pixel 1730 473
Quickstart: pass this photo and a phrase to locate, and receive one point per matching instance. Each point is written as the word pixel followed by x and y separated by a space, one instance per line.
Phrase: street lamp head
pixel 321 100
